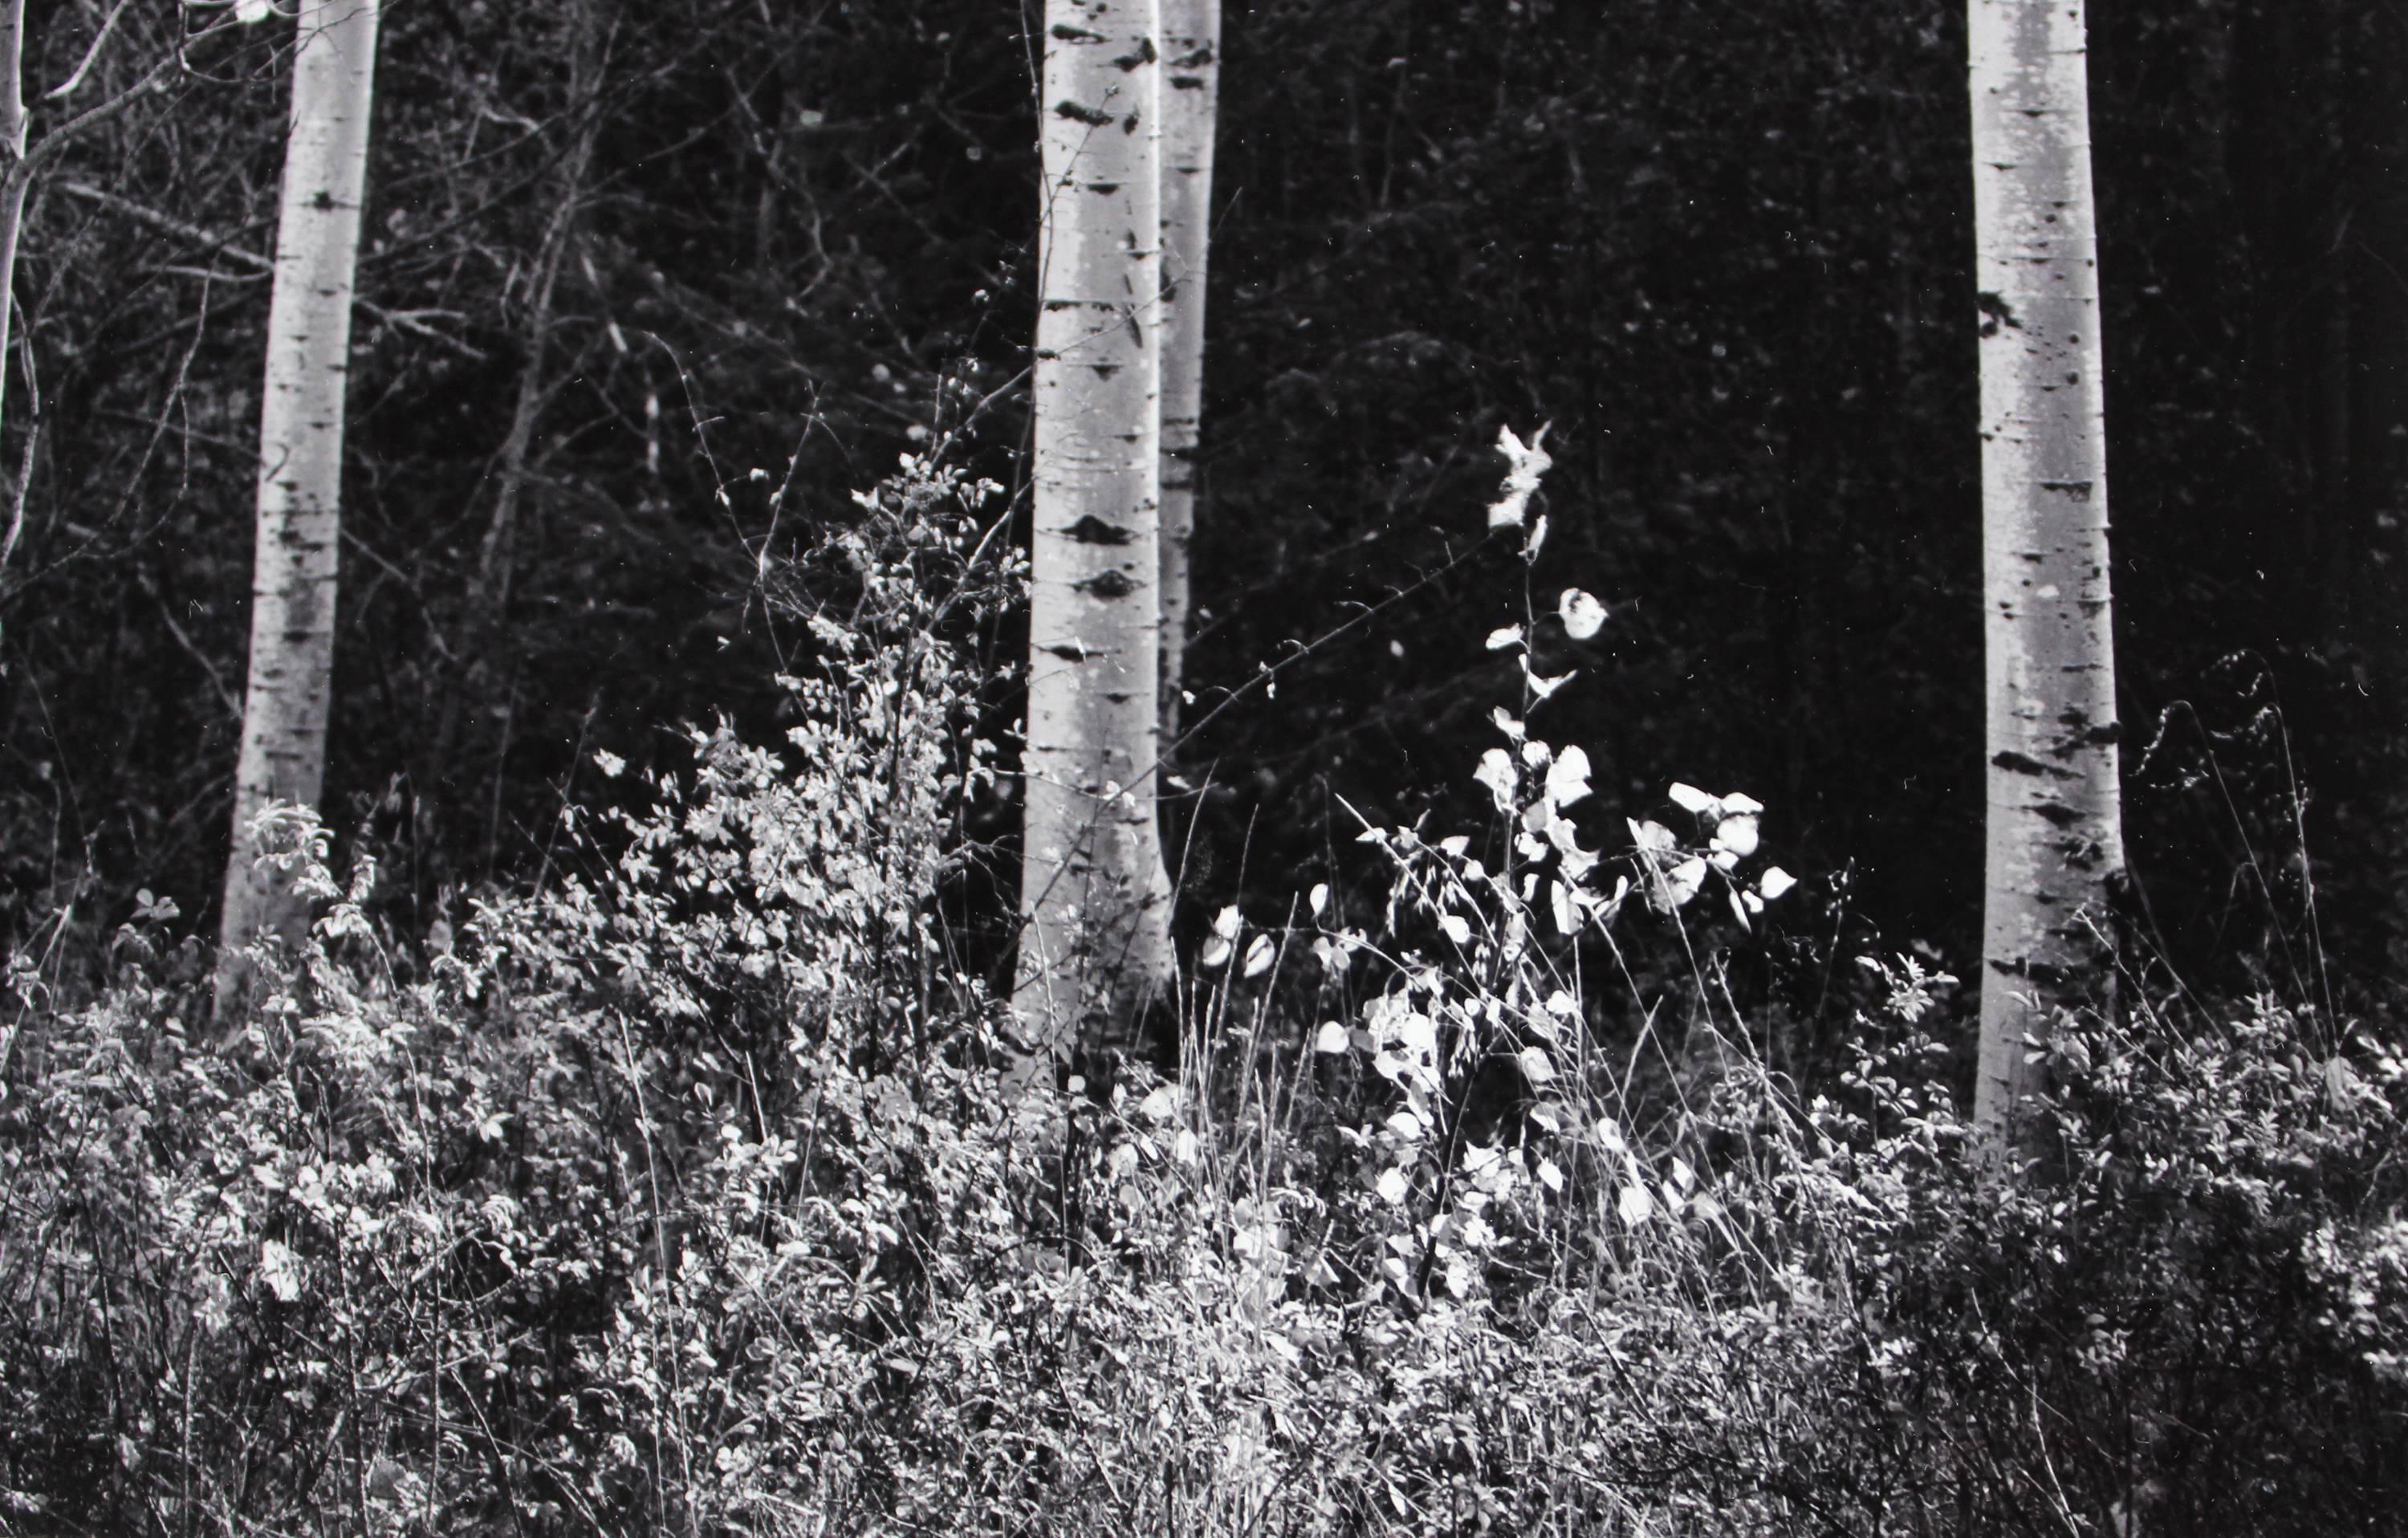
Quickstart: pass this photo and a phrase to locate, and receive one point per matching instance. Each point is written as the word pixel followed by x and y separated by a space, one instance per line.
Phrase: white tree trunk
pixel 2056 846
pixel 1191 32
pixel 301 457
pixel 1094 944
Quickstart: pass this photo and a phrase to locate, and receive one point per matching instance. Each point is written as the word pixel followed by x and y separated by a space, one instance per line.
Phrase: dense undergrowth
pixel 677 1197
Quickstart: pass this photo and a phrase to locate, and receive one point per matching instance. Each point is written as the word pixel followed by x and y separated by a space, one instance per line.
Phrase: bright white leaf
pixel 1506 724
pixel 1737 832
pixel 1739 908
pixel 1739 803
pixel 1774 881
pixel 1456 844
pixel 253 12
pixel 1538 538
pixel 1567 913
pixel 280 1269
pixel 1690 799
pixel 1456 928
pixel 1160 1104
pixel 1331 1039
pixel 1500 638
pixel 1568 777
pixel 1537 1066
pixel 1185 1149
pixel 611 764
pixel 1260 954
pixel 1582 614
pixel 1544 688
pixel 1550 1176
pixel 1226 921
pixel 1214 955
pixel 1392 1186
pixel 1684 881
pixel 1318 899
pixel 1653 837
pixel 1562 1004
pixel 1525 464
pixel 1498 773
pixel 1635 1205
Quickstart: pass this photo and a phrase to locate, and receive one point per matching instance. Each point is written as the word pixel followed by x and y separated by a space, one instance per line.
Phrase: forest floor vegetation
pixel 677 1195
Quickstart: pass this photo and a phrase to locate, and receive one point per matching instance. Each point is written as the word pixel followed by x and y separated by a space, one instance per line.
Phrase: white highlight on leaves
pixel 253 12
pixel 280 1269
pixel 1525 464
pixel 1737 832
pixel 1318 899
pixel 1509 636
pixel 1544 688
pixel 1392 1186
pixel 1496 772
pixel 1568 777
pixel 1331 1039
pixel 1260 954
pixel 1774 881
pixel 1582 614
pixel 1635 1205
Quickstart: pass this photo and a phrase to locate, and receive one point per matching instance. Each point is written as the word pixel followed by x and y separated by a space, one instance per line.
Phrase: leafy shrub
pixel 679 1198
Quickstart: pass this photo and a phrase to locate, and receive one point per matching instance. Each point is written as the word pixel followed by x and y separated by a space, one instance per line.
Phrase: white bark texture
pixel 1191 33
pixel 301 457
pixel 18 179
pixel 1094 944
pixel 2054 840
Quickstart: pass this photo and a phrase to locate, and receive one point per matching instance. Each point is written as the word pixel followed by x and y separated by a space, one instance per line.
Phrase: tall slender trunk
pixel 19 180
pixel 1191 34
pixel 2055 844
pixel 1094 903
pixel 300 460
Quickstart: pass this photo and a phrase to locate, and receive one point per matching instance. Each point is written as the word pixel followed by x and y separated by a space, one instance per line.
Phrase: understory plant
pixel 680 1196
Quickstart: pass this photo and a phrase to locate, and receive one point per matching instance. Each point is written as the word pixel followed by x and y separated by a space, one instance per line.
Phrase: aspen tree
pixel 1191 32
pixel 1095 902
pixel 2055 837
pixel 300 460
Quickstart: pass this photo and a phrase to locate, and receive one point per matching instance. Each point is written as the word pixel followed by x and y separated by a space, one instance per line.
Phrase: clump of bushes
pixel 679 1197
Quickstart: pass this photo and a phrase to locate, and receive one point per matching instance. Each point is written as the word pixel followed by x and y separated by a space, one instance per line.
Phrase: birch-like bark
pixel 19 178
pixel 1191 30
pixel 300 461
pixel 1094 903
pixel 2055 849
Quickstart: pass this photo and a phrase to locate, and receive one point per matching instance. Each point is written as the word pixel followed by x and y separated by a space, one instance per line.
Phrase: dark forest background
pixel 1725 250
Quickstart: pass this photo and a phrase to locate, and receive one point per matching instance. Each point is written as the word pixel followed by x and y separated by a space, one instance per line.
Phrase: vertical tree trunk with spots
pixel 2054 824
pixel 1095 948
pixel 1191 33
pixel 300 459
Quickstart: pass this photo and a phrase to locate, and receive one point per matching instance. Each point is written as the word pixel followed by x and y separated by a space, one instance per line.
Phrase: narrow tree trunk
pixel 2054 835
pixel 1191 32
pixel 300 460
pixel 19 180
pixel 1095 904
